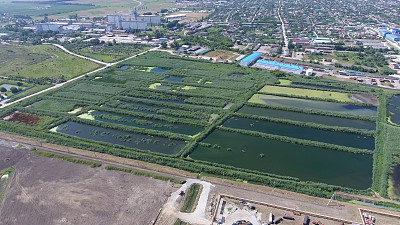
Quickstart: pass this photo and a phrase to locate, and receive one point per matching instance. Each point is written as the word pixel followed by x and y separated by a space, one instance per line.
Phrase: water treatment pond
pixel 127 139
pixel 281 158
pixel 309 118
pixel 174 79
pixel 394 109
pixel 144 123
pixel 158 70
pixel 316 105
pixel 8 86
pixel 331 137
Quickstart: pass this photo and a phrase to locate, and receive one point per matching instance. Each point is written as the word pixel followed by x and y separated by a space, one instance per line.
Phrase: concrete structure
pixel 43 27
pixel 272 65
pixel 393 37
pixel 249 60
pixel 321 40
pixel 132 22
pixel 309 72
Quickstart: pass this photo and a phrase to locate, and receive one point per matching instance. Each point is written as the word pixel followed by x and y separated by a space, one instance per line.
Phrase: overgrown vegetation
pixel 191 198
pixel 68 158
pixel 146 174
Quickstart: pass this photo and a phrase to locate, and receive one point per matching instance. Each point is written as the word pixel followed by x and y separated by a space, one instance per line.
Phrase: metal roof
pixel 251 57
pixel 273 63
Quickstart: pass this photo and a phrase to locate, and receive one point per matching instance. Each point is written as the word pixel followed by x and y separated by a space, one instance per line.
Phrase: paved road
pixel 106 65
pixel 286 47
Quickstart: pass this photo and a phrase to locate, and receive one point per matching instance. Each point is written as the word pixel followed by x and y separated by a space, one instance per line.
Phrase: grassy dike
pixel 145 174
pixel 68 158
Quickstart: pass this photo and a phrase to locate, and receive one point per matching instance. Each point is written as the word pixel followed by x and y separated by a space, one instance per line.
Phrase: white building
pixel 133 21
pixel 321 40
pixel 309 72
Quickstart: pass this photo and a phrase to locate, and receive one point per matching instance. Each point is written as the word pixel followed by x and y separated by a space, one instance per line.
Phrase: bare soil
pixel 51 191
pixel 365 98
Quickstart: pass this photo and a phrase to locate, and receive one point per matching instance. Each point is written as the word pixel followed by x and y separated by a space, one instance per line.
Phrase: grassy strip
pixel 145 174
pixel 191 198
pixel 312 111
pixel 9 171
pixel 68 158
pixel 180 222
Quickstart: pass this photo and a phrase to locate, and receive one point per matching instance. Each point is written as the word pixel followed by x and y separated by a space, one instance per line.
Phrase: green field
pixel 307 93
pixel 39 9
pixel 105 52
pixel 41 61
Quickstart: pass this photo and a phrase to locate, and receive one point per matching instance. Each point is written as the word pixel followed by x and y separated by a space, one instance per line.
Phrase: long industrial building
pixel 251 59
pixel 272 65
pixel 393 37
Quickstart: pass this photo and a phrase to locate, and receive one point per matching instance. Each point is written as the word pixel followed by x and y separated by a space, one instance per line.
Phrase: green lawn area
pixel 301 92
pixel 285 82
pixel 107 53
pixel 255 99
pixel 54 105
pixel 41 61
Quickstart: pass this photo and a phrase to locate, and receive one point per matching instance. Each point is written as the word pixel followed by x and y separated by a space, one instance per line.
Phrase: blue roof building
pixel 395 31
pixel 249 60
pixel 393 37
pixel 272 65
pixel 384 33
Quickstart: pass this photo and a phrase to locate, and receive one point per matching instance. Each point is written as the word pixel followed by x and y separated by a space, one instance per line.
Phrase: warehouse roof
pixel 273 63
pixel 392 36
pixel 251 57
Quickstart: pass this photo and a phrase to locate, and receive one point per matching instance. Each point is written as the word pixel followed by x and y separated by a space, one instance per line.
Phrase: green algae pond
pixel 309 118
pixel 306 133
pixel 143 123
pixel 127 139
pixel 304 162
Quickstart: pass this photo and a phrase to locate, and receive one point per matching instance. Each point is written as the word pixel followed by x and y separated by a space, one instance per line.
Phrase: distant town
pixel 199 112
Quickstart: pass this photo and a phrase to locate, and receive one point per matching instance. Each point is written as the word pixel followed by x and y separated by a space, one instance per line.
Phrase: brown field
pixel 51 191
pixel 26 118
pixel 223 54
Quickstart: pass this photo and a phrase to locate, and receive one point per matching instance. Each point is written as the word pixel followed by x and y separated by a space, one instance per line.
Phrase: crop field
pixel 211 118
pixel 42 61
pixel 38 8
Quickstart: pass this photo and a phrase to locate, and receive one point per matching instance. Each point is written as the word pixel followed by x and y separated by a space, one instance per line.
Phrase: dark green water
pixel 318 105
pixel 174 79
pixel 148 124
pixel 310 118
pixel 332 137
pixel 127 139
pixel 394 108
pixel 304 162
